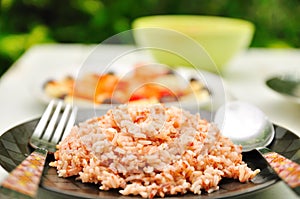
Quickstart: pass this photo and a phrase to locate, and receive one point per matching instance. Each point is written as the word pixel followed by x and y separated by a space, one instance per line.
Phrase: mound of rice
pixel 150 150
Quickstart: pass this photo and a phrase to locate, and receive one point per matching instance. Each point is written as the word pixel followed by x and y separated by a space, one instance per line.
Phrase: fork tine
pixel 38 132
pixel 50 128
pixel 70 122
pixel 59 129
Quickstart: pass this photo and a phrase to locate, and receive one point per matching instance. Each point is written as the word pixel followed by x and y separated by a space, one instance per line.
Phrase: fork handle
pixel 23 181
pixel 286 169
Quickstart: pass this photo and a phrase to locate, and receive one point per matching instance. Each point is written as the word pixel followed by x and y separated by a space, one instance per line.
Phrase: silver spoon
pixel 287 85
pixel 248 126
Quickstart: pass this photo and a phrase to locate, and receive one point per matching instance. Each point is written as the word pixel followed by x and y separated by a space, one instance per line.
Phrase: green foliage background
pixel 24 23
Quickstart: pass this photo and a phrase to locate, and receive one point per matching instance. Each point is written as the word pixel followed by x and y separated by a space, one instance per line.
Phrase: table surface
pixel 244 79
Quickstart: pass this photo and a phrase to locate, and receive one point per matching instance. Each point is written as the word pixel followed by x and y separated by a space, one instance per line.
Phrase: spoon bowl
pixel 245 125
pixel 248 126
pixel 286 85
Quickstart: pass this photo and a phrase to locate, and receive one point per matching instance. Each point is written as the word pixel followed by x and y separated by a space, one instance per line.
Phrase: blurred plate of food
pixel 141 83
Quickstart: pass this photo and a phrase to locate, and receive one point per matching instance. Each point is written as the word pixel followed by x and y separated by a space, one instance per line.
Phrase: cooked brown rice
pixel 150 150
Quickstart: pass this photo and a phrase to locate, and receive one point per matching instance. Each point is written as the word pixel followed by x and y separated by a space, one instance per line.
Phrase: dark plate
pixel 14 148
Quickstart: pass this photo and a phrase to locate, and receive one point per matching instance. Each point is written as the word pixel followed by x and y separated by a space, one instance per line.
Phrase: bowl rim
pixel 158 21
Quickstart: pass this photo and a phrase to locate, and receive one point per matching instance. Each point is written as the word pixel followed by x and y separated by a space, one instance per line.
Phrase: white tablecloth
pixel 244 78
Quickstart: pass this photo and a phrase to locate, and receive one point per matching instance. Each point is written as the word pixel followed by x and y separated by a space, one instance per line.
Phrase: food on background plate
pixel 145 84
pixel 150 150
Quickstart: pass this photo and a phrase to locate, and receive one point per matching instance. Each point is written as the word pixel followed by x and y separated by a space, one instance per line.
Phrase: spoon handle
pixel 286 169
pixel 23 181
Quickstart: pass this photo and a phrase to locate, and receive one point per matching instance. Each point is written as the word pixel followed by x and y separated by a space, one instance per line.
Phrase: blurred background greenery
pixel 24 23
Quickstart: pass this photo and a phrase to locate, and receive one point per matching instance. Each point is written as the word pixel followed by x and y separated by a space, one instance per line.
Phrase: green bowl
pixel 204 42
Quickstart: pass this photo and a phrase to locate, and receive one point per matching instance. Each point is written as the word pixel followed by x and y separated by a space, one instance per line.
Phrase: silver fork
pixel 55 123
